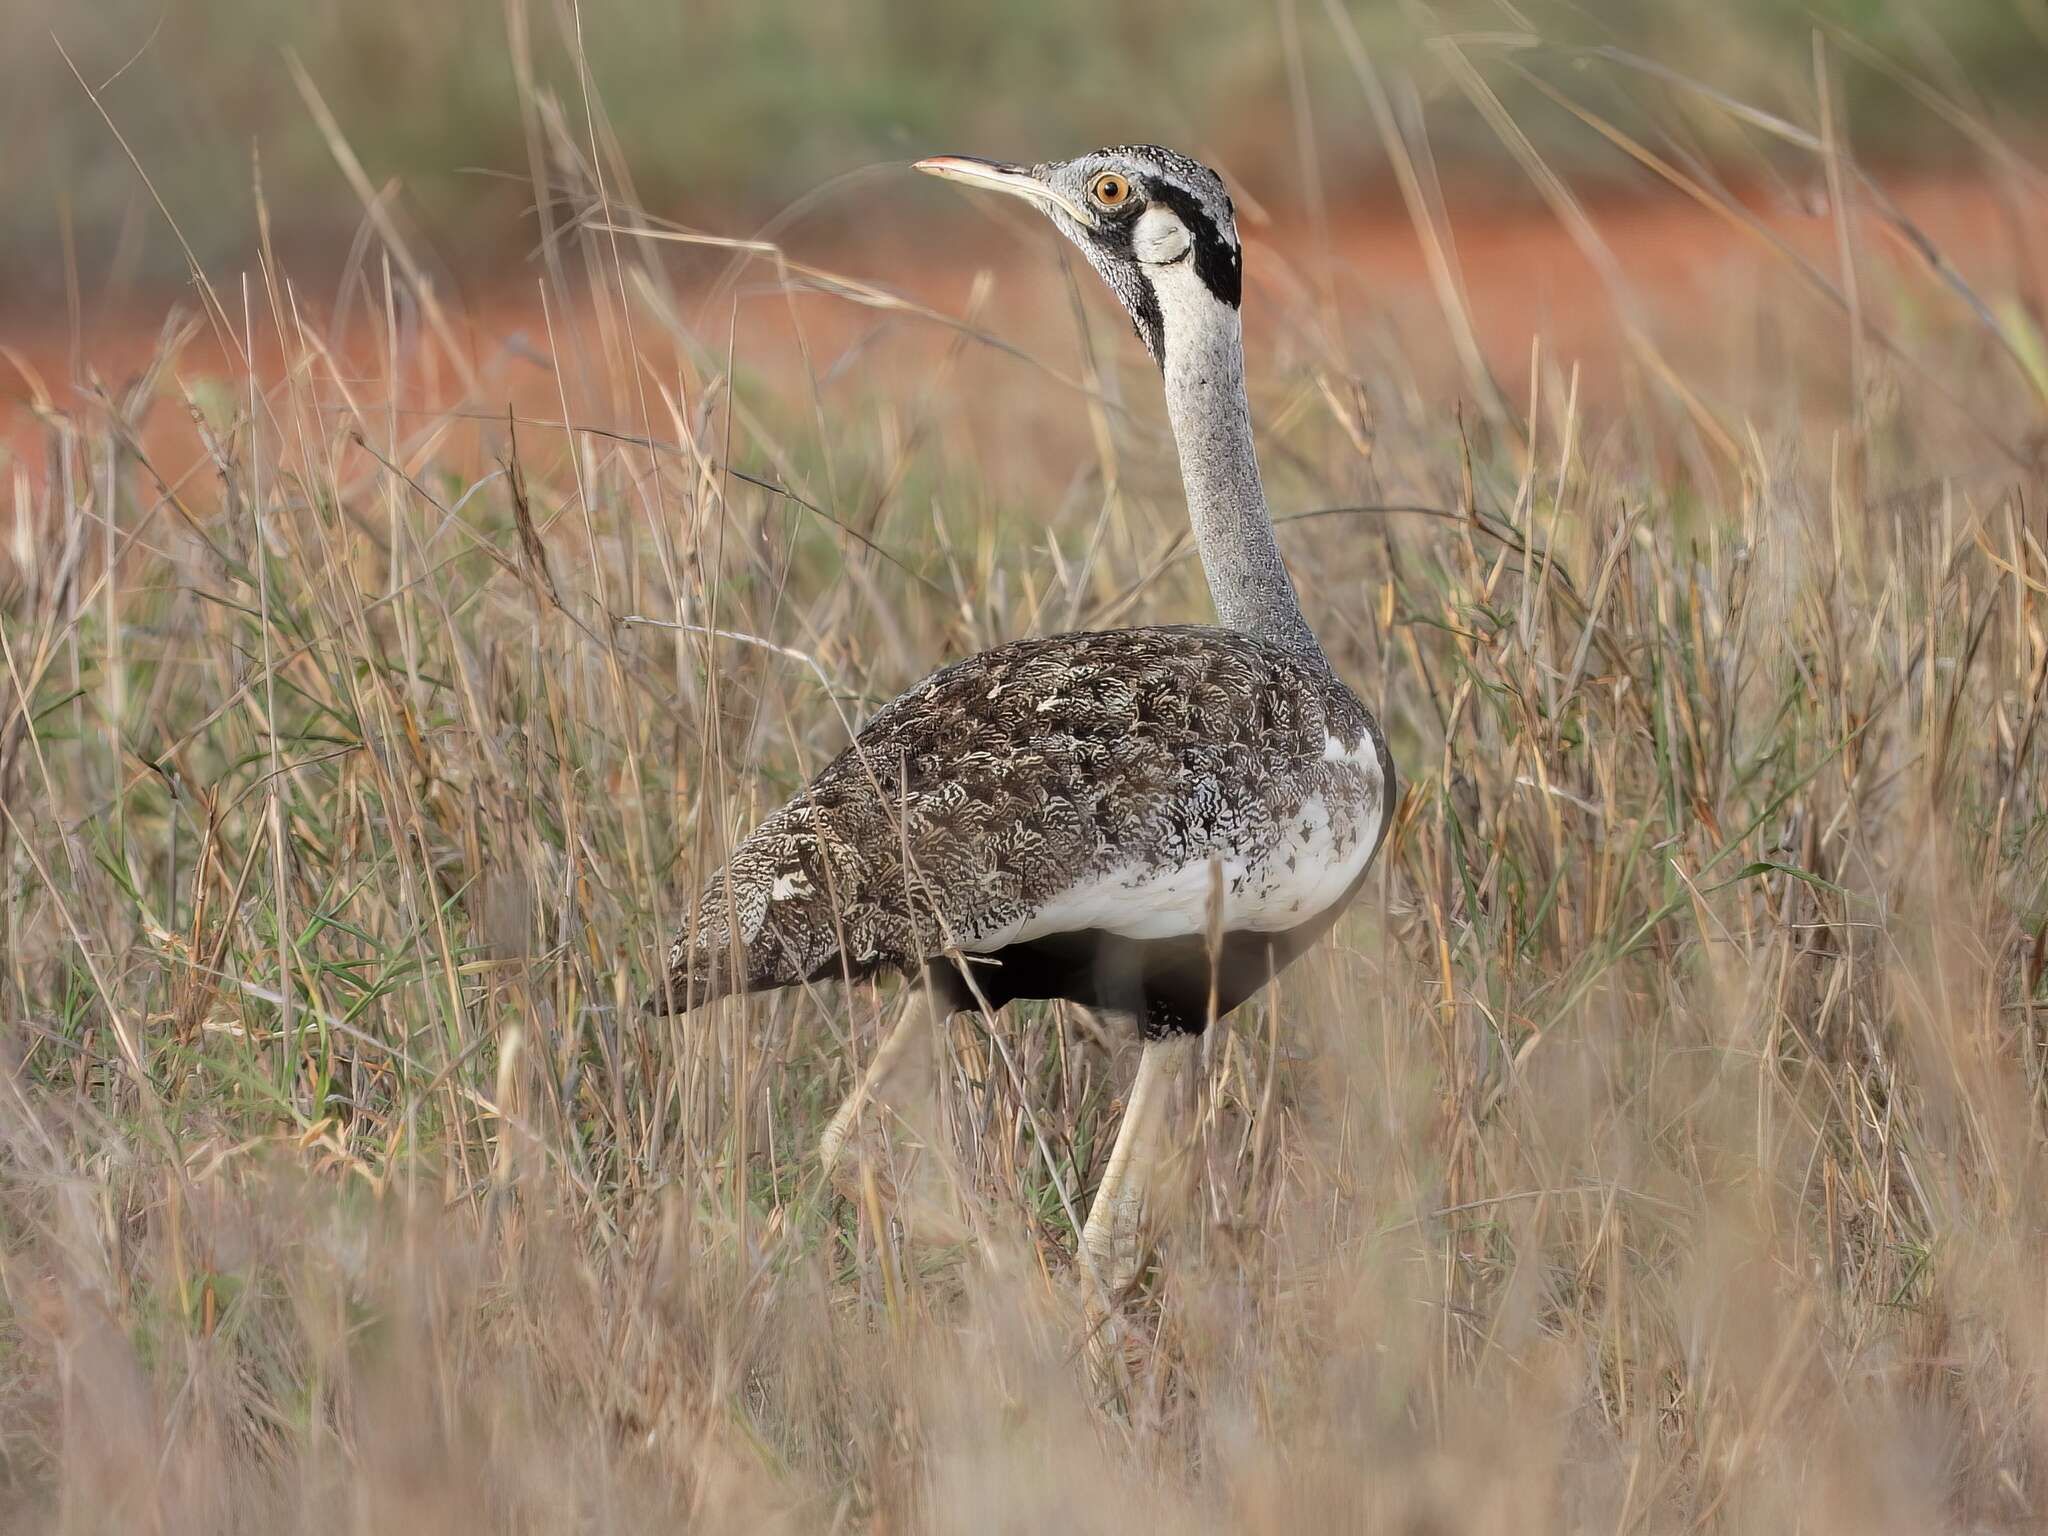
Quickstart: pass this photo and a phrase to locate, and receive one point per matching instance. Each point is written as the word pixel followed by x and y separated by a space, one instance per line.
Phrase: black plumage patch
pixel 1218 261
pixel 1111 250
pixel 1147 319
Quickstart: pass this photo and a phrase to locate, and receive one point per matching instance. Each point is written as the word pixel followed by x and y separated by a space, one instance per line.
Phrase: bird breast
pixel 1291 859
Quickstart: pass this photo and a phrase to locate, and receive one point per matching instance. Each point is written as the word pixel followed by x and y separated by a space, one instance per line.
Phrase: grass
pixel 1660 1145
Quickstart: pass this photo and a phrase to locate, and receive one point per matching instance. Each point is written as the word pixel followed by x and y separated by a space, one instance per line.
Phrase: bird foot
pixel 1112 1256
pixel 1118 1352
pixel 892 1166
pixel 848 1154
pixel 1113 1242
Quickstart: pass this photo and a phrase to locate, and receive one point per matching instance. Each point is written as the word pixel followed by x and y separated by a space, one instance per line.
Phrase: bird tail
pixel 702 963
pixel 706 962
pixel 764 921
pixel 695 975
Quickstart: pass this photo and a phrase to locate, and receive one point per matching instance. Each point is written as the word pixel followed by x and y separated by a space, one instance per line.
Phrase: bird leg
pixel 1109 1241
pixel 923 1016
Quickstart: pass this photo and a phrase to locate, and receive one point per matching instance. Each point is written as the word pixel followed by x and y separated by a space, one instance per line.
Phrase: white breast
pixel 1309 860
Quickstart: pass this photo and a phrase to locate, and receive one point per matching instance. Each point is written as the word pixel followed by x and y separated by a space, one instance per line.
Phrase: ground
pixel 1682 268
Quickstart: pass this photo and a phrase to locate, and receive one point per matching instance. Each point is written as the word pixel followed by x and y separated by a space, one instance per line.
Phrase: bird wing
pixel 1106 780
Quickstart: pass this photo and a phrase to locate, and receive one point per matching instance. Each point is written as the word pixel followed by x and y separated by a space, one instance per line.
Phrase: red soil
pixel 1681 269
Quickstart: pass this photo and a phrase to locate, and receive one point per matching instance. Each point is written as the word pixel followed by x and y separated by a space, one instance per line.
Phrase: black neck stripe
pixel 1150 322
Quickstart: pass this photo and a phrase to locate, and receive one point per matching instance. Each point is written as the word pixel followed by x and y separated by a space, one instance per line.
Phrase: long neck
pixel 1212 426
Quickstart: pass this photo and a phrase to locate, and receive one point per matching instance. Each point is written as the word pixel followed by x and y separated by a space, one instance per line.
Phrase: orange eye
pixel 1110 190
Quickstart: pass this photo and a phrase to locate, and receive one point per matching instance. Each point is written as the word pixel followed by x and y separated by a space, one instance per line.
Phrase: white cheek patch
pixel 1159 237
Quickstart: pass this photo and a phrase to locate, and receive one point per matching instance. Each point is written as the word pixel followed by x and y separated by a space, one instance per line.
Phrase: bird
pixel 1146 821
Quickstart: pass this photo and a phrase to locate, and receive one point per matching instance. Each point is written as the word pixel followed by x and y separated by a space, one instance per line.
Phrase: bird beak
pixel 1013 179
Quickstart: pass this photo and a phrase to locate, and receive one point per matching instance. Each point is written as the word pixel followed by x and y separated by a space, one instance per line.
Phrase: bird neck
pixel 1212 427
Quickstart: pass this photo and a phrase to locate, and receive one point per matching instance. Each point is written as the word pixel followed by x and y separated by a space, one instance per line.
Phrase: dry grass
pixel 1660 1146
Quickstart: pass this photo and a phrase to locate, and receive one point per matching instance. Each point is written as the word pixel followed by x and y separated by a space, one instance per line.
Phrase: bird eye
pixel 1110 190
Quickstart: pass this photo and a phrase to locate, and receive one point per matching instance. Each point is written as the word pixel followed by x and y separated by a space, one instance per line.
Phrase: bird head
pixel 1158 226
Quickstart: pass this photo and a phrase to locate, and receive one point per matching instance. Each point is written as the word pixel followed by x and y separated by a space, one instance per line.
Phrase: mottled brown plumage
pixel 1011 806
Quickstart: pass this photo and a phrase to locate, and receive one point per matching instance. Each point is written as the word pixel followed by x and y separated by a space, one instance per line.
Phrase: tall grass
pixel 1659 1146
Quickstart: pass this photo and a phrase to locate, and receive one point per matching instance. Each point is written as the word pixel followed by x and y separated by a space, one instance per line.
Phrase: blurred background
pixel 1450 180
pixel 729 111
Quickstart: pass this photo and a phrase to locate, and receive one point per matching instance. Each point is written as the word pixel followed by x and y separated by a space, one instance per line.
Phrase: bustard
pixel 1148 821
